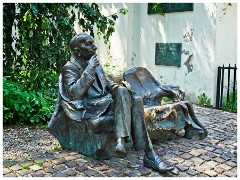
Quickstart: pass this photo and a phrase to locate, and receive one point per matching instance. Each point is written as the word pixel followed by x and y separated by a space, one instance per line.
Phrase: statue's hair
pixel 76 40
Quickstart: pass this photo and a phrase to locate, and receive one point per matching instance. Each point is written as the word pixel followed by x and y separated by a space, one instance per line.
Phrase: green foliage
pixel 230 107
pixel 204 101
pixel 158 8
pixel 41 48
pixel 40 164
pixel 166 99
pixel 44 32
pixel 26 167
pixel 23 107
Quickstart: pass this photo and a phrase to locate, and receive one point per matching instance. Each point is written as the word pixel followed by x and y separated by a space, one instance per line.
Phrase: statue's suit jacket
pixel 83 93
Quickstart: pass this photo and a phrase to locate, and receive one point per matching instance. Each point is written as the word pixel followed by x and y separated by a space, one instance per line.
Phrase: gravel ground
pixel 27 142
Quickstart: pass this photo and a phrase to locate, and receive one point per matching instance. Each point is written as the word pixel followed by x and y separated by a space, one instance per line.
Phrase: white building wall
pixel 200 32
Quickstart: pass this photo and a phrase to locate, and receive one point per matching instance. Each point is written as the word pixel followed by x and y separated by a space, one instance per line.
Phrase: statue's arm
pixel 77 83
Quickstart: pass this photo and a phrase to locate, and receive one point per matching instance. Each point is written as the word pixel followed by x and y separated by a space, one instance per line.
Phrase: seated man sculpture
pixel 89 102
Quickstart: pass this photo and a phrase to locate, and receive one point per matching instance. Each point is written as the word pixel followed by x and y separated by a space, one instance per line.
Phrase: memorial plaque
pixel 168 54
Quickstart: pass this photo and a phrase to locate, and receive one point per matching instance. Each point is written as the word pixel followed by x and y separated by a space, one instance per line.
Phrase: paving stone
pixel 60 174
pixel 183 174
pixel 133 165
pixel 58 161
pixel 36 167
pixel 50 170
pixel 102 168
pixel 178 153
pixel 9 163
pixel 209 148
pixel 186 156
pixel 224 166
pixel 62 155
pixel 210 164
pixel 111 174
pixel 219 170
pixel 182 168
pixel 192 172
pixel 225 157
pixel 82 160
pixel 15 167
pixel 73 153
pixel 10 175
pixel 24 172
pixel 26 163
pixel 38 174
pixel 90 172
pixel 205 157
pixel 232 173
pixel 6 170
pixel 70 172
pixel 184 149
pixel 188 163
pixel 200 169
pixel 144 171
pixel 197 160
pixel 69 158
pixel 211 154
pixel 231 163
pixel 99 175
pixel 218 159
pixel 219 151
pixel 132 174
pixel 60 167
pixel 81 168
pixel 72 164
pixel 47 164
pixel 229 155
pixel 39 160
pixel 178 159
pixel 201 175
pixel 195 152
pixel 210 173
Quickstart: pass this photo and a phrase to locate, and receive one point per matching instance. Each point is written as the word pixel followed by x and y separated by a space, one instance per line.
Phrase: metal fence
pixel 221 83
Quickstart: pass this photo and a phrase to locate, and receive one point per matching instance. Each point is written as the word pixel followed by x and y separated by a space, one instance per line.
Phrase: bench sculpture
pixel 99 118
pixel 164 121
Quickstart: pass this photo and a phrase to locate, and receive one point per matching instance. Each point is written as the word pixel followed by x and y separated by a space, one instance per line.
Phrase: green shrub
pixel 204 101
pixel 22 107
pixel 230 107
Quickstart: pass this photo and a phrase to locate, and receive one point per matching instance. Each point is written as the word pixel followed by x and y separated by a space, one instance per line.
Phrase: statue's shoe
pixel 120 150
pixel 156 164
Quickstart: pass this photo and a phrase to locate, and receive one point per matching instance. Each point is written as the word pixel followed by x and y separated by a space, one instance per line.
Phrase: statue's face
pixel 87 47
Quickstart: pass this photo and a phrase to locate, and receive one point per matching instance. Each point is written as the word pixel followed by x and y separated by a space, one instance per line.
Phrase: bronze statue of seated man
pixel 87 96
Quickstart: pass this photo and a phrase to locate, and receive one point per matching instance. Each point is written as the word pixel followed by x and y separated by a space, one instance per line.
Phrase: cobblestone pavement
pixel 213 156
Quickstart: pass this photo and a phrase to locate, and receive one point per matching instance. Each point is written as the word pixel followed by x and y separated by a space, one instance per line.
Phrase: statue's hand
pixel 93 62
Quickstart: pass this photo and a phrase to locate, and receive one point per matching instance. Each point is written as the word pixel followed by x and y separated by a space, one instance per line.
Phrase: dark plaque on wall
pixel 171 7
pixel 168 54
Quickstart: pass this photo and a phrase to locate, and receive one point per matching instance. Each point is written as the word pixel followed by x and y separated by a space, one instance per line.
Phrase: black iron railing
pixel 220 85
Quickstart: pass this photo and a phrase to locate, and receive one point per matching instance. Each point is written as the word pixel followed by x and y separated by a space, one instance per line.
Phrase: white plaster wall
pixel 119 40
pixel 226 41
pixel 171 29
pixel 133 43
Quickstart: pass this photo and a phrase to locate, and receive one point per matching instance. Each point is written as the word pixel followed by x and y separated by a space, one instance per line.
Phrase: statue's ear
pixel 76 51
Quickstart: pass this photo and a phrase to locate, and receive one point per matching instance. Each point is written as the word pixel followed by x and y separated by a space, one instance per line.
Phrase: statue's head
pixel 83 46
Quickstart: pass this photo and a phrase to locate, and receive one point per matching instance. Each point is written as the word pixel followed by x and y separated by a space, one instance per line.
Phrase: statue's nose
pixel 94 47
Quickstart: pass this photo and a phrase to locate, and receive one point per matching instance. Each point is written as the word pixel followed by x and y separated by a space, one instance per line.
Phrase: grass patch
pixel 40 164
pixel 26 167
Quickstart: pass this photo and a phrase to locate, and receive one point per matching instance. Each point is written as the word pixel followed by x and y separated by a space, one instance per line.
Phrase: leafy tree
pixel 44 32
pixel 34 56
